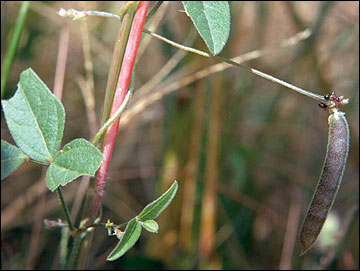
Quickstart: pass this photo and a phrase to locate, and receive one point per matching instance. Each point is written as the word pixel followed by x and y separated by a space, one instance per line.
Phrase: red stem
pixel 121 90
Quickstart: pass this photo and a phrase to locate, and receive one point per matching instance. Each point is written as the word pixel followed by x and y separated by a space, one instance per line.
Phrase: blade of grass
pixel 14 43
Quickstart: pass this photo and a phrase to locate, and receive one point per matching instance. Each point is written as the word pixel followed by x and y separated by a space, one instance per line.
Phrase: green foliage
pixel 79 157
pixel 36 119
pixel 212 21
pixel 11 158
pixel 144 219
pixel 131 235
pixel 255 118
pixel 150 225
pixel 155 208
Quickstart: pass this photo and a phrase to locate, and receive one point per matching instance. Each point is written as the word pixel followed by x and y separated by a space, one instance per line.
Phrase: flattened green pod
pixel 330 180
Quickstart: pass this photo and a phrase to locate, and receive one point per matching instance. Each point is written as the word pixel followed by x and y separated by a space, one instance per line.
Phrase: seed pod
pixel 330 180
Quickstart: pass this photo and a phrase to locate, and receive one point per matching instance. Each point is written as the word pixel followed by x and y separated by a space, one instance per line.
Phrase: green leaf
pixel 35 118
pixel 144 219
pixel 154 209
pixel 79 157
pixel 11 158
pixel 212 21
pixel 150 225
pixel 131 235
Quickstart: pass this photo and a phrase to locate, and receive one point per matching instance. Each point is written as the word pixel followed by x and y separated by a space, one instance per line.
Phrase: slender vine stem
pixel 74 253
pixel 82 243
pixel 266 76
pixel 120 93
pixel 252 70
pixel 65 209
pixel 103 14
pixel 117 114
pixel 115 66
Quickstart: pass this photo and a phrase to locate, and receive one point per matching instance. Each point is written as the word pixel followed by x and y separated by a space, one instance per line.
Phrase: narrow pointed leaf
pixel 155 208
pixel 212 21
pixel 11 158
pixel 35 118
pixel 130 237
pixel 79 157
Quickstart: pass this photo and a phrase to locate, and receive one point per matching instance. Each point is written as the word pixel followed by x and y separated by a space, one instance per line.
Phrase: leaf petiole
pixel 65 209
pixel 42 163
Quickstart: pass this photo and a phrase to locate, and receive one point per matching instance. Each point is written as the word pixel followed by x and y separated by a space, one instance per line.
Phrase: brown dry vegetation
pixel 246 152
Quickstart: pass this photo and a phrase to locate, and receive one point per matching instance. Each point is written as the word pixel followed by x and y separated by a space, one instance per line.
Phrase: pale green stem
pixel 254 71
pixel 117 114
pixel 201 53
pixel 102 14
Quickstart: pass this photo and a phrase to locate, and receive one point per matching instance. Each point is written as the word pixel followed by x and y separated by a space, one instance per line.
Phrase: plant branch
pixel 205 54
pixel 116 62
pixel 252 70
pixel 65 209
pixel 166 87
pixel 121 89
pixel 74 253
pixel 110 121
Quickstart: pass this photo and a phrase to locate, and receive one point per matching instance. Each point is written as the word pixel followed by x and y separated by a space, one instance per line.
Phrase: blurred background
pixel 247 153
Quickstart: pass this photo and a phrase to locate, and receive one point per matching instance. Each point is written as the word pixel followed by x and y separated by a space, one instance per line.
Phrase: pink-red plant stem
pixel 121 90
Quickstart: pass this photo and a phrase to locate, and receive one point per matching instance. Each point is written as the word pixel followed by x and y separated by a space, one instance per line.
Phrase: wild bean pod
pixel 330 179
